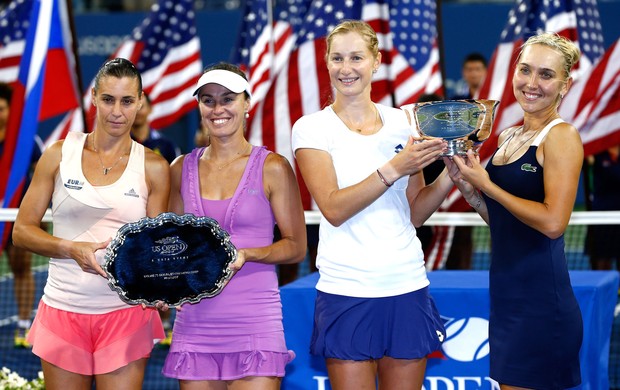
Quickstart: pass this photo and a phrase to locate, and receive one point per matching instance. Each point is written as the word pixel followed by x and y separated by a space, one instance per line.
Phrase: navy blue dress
pixel 535 329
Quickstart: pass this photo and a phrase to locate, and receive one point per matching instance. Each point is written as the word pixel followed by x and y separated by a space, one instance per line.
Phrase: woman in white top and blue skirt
pixel 374 318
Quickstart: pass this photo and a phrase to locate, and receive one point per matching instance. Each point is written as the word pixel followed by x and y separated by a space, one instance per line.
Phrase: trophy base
pixel 459 147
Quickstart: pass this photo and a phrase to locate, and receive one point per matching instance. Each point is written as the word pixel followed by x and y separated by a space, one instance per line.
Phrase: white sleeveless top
pixel 83 212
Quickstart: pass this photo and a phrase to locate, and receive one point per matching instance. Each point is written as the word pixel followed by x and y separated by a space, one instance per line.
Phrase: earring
pixel 374 71
pixel 247 115
pixel 561 96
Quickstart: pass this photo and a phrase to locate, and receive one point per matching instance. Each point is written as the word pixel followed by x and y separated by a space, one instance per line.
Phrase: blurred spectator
pixel 602 241
pixel 19 259
pixel 473 71
pixel 152 139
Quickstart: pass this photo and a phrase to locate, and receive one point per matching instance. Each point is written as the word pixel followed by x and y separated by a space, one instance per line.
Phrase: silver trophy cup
pixel 465 124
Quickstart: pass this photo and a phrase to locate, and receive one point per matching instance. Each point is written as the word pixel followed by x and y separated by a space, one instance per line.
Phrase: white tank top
pixel 82 212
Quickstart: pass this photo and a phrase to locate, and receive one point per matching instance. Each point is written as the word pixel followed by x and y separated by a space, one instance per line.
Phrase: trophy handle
pixel 485 121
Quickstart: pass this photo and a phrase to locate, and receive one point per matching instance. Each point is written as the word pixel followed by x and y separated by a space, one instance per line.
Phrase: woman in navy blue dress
pixel 526 195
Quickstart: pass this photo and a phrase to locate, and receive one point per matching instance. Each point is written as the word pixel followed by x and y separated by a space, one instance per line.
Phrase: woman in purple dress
pixel 527 193
pixel 236 339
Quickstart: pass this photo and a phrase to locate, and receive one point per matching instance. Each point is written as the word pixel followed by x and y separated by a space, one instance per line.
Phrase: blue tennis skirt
pixel 405 326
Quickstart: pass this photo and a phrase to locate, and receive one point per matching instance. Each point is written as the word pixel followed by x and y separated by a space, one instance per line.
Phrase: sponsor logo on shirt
pixel 74 184
pixel 132 192
pixel 398 148
pixel 528 167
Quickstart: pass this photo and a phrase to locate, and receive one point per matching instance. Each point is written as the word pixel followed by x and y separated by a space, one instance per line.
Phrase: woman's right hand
pixel 417 154
pixel 84 255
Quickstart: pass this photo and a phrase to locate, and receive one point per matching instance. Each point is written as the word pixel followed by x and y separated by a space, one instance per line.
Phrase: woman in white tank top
pixel 83 332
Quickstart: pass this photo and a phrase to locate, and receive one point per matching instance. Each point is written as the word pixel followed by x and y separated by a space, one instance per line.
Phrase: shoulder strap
pixel 190 183
pixel 543 132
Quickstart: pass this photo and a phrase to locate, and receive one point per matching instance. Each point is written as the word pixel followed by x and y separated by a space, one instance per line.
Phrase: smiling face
pixel 222 111
pixel 351 63
pixel 118 101
pixel 540 79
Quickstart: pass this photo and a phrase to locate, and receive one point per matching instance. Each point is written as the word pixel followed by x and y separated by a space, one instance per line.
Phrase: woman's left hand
pixel 471 170
pixel 239 262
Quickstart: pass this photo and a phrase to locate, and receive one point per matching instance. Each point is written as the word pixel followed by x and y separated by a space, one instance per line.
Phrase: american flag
pixel 593 103
pixel 45 87
pixel 287 71
pixel 166 51
pixel 577 20
pixel 14 22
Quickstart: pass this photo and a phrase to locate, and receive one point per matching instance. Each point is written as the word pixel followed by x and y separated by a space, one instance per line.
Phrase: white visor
pixel 226 79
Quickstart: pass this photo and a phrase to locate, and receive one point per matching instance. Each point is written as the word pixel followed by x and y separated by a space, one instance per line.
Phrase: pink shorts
pixel 93 344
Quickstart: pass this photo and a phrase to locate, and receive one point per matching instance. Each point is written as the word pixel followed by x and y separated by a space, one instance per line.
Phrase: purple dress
pixel 239 332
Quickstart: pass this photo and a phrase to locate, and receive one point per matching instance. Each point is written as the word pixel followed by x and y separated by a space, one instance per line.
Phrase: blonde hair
pixel 357 26
pixel 569 51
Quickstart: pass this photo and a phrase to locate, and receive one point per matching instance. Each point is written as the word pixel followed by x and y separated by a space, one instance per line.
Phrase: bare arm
pixel 424 200
pixel 175 202
pixel 28 233
pixel 283 192
pixel 339 204
pixel 158 183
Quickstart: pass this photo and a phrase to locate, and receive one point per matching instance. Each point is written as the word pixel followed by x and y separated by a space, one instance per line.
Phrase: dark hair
pixel 119 68
pixel 475 57
pixel 6 92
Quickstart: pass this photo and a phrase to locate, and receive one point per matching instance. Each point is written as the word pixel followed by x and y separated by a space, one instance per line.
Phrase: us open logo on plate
pixel 169 246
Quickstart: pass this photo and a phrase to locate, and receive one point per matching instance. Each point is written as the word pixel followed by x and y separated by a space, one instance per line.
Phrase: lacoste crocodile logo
pixel 528 167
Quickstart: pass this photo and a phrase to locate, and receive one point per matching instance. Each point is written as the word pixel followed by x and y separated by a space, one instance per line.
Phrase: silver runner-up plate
pixel 171 258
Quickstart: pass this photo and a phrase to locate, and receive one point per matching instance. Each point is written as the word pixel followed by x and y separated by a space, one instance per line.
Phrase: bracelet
pixel 383 180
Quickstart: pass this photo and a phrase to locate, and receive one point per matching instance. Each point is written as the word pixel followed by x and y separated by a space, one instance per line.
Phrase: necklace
pixel 360 128
pixel 103 167
pixel 506 158
pixel 240 154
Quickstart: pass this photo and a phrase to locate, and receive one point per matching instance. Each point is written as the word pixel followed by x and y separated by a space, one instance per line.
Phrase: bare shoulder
pixel 277 165
pixel 178 161
pixel 176 166
pixel 52 155
pixel 563 139
pixel 563 129
pixel 155 164
pixel 562 134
